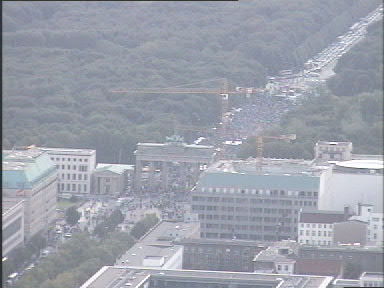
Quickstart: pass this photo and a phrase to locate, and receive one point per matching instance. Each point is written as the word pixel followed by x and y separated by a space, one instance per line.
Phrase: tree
pixel 72 216
pixel 144 225
pixel 352 270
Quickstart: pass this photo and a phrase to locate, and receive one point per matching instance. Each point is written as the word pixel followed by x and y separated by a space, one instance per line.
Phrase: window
pixel 73 187
pixel 375 219
pixel 80 160
pixel 85 177
pixel 329 233
pixel 80 176
pixel 278 267
pixel 85 187
pixel 313 233
pixel 52 158
pixel 74 167
pixel 286 267
pixel 68 167
pixel 320 226
pixel 68 176
pixel 68 187
pixel 79 188
pixel 62 166
pixel 57 159
pixel 318 233
pixel 84 168
pixel 73 176
pixel 85 160
pixel 74 159
pixel 301 232
pixel 307 233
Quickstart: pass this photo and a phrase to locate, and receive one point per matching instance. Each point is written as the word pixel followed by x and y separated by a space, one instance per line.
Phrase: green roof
pixel 115 168
pixel 23 169
pixel 249 181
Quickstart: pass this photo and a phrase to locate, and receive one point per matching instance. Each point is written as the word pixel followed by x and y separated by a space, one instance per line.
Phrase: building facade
pixel 333 151
pixel 375 222
pixel 237 200
pixel 75 167
pixel 31 176
pixel 352 232
pixel 112 179
pixel 316 227
pixel 352 182
pixel 219 255
pixel 367 258
pixel 12 224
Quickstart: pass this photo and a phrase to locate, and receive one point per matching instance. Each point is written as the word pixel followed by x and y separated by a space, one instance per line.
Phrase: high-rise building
pixel 31 176
pixel 240 199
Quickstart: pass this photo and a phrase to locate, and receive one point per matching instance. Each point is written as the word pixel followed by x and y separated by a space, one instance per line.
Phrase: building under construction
pixel 173 166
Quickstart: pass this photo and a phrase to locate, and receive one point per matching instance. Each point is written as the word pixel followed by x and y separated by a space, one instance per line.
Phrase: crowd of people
pixel 263 112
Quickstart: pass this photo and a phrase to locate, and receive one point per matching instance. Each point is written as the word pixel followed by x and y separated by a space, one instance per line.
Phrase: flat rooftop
pixel 362 164
pixel 116 277
pixel 20 155
pixel 68 151
pixel 269 166
pixel 159 242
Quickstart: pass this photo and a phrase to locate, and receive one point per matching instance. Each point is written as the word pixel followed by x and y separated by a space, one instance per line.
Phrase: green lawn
pixel 65 204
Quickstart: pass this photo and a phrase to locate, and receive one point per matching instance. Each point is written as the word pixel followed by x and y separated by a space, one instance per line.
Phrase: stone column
pixel 164 175
pixel 151 176
pixel 138 172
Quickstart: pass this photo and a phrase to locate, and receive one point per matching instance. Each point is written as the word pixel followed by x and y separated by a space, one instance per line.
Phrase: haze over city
pixel 170 144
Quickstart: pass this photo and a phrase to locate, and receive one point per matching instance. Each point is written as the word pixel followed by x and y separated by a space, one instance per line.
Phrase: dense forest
pixel 61 60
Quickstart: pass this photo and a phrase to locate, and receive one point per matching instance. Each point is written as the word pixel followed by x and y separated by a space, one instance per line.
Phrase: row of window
pixel 75 187
pixel 69 159
pixel 319 233
pixel 235 227
pixel 74 176
pixel 316 242
pixel 316 225
pixel 260 192
pixel 82 168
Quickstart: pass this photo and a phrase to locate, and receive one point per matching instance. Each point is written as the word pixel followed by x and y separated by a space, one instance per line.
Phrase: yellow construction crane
pixel 223 92
pixel 260 145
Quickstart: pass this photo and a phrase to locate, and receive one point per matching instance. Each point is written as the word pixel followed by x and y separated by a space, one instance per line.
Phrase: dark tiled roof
pixel 317 217
pixel 321 267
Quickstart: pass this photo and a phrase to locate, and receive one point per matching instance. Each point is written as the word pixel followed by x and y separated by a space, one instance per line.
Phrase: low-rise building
pixel 75 167
pixel 134 277
pixel 220 254
pixel 333 151
pixel 375 220
pixel 350 232
pixel 156 248
pixel 112 179
pixel 31 176
pixel 371 279
pixel 365 258
pixel 12 224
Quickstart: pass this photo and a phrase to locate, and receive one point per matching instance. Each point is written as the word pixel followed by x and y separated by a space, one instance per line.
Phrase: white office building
pixel 375 223
pixel 316 228
pixel 75 167
pixel 352 182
